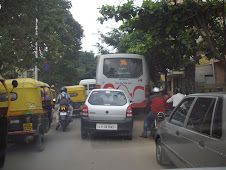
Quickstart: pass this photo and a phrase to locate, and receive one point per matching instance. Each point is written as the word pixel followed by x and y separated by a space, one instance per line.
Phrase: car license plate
pixel 63 113
pixel 106 126
pixel 27 126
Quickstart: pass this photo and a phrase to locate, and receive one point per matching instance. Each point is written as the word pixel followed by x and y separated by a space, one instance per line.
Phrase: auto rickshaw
pixel 47 100
pixel 28 115
pixel 78 97
pixel 4 108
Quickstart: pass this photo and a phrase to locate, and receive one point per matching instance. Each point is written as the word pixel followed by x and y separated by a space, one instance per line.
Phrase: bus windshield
pixel 122 67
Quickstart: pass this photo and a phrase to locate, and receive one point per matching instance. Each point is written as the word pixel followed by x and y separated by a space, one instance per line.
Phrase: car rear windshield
pixel 111 98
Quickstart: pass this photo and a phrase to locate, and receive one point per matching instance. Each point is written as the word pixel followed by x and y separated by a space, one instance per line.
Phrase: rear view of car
pixel 107 110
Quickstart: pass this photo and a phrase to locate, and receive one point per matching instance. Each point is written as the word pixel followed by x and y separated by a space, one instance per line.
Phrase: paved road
pixel 66 150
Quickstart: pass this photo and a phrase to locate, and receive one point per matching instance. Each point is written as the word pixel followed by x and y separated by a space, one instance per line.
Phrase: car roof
pixel 107 90
pixel 214 94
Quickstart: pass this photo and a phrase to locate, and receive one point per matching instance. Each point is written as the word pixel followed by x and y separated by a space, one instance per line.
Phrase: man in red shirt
pixel 157 104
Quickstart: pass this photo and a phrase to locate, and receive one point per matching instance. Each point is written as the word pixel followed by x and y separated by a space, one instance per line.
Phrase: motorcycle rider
pixel 157 104
pixel 63 94
pixel 176 98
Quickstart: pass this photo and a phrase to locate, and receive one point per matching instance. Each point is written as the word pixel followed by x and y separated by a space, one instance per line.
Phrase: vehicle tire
pixel 160 156
pixel 40 142
pixel 2 156
pixel 84 134
pixel 63 125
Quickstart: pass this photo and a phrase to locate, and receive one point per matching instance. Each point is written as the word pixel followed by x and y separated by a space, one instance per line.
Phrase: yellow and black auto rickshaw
pixel 4 108
pixel 78 97
pixel 28 115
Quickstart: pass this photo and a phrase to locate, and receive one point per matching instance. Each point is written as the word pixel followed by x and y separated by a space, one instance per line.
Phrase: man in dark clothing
pixel 157 104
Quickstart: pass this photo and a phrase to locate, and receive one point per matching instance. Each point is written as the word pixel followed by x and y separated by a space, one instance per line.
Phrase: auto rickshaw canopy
pixel 4 98
pixel 77 93
pixel 26 97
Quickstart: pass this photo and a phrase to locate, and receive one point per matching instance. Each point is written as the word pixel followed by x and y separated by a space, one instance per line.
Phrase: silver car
pixel 107 110
pixel 194 135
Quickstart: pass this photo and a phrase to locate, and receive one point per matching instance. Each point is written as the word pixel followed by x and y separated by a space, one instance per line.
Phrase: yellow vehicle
pixel 78 97
pixel 47 100
pixel 4 108
pixel 29 112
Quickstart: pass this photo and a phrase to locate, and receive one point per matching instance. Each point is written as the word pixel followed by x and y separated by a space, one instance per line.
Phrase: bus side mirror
pixel 14 83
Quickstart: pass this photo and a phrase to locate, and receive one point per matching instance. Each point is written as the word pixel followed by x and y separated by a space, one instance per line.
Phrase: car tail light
pixel 129 112
pixel 98 86
pixel 147 91
pixel 85 111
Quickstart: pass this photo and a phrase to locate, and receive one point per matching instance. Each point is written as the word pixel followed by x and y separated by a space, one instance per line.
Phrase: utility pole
pixel 36 47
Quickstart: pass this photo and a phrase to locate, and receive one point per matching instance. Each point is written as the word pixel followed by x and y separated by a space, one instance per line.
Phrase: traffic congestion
pixel 105 85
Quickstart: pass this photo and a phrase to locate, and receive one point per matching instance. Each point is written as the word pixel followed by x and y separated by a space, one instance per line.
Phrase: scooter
pixel 64 117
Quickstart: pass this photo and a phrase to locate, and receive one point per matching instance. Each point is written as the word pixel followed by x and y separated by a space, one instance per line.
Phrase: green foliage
pixel 171 32
pixel 87 66
pixel 59 39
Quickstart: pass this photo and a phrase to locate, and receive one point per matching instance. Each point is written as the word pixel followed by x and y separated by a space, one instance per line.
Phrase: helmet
pixel 156 90
pixel 178 90
pixel 63 89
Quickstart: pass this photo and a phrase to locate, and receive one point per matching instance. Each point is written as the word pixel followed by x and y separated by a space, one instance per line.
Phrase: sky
pixel 86 13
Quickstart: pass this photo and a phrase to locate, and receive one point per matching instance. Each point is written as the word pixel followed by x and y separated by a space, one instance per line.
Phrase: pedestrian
pixel 157 104
pixel 176 98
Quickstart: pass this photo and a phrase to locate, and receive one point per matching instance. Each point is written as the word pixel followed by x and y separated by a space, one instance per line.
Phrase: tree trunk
pixel 166 86
pixel 190 86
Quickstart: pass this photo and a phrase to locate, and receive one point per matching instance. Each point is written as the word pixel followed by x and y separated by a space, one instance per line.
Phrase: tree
pixel 59 36
pixel 87 66
pixel 172 31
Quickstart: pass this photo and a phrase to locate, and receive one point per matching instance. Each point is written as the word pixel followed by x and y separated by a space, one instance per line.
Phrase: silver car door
pixel 200 148
pixel 172 137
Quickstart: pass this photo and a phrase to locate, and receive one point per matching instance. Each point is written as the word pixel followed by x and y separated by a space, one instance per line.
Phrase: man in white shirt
pixel 176 98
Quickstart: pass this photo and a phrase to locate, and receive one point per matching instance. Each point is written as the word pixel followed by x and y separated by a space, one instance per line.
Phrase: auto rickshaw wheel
pixel 2 156
pixel 40 142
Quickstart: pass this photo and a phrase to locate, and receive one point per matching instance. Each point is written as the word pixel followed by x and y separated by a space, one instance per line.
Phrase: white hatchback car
pixel 107 110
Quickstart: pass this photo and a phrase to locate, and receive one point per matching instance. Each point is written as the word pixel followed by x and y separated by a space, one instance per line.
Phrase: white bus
pixel 89 84
pixel 128 72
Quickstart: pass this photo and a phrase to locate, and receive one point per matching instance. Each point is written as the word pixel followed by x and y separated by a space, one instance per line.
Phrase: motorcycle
pixel 153 125
pixel 64 117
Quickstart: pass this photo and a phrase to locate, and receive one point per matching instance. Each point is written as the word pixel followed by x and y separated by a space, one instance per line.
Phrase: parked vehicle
pixel 128 72
pixel 78 97
pixel 89 84
pixel 4 108
pixel 28 114
pixel 64 117
pixel 107 110
pixel 194 135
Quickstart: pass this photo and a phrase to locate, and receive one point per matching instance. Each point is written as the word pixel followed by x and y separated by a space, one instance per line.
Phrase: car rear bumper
pixel 122 126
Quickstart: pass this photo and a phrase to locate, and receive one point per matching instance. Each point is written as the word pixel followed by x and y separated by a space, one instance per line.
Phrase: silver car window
pixel 201 115
pixel 111 98
pixel 178 117
pixel 217 121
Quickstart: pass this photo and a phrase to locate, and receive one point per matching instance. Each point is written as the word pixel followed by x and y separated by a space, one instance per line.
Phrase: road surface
pixel 67 151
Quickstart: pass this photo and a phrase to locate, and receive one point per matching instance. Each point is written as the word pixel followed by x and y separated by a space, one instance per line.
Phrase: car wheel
pixel 84 134
pixel 160 156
